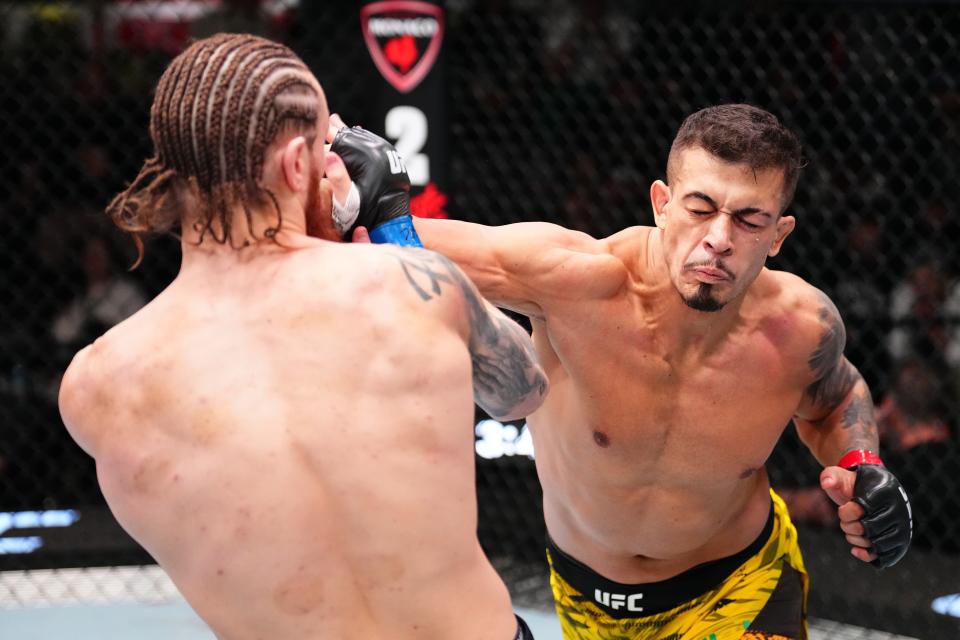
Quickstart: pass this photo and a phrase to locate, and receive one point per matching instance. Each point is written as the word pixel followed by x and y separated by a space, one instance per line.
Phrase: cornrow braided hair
pixel 217 108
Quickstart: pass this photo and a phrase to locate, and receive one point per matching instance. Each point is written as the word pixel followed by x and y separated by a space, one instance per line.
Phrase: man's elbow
pixel 527 404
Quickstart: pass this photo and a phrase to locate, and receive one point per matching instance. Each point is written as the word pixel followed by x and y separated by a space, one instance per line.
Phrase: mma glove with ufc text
pixel 888 518
pixel 381 177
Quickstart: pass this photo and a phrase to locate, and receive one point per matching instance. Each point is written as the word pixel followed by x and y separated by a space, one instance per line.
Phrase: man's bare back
pixel 259 429
pixel 287 428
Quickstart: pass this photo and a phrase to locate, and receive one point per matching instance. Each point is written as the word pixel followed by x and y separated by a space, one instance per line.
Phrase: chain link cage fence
pixel 559 111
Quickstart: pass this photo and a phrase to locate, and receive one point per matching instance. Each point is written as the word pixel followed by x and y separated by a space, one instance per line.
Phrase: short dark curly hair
pixel 742 133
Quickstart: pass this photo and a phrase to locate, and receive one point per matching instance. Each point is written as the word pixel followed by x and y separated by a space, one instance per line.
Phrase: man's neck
pixel 260 237
pixel 260 229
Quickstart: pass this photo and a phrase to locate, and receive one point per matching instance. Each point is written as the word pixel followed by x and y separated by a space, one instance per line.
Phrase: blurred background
pixel 531 110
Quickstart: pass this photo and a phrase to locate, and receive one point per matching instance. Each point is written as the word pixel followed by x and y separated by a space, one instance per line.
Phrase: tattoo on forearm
pixel 505 369
pixel 859 421
pixel 834 377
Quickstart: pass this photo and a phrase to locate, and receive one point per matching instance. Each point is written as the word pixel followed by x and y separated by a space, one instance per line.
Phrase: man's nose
pixel 719 240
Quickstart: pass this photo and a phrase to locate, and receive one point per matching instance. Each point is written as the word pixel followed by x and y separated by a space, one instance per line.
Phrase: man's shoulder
pixel 387 279
pixel 366 265
pixel 323 269
pixel 632 241
pixel 808 310
pixel 82 389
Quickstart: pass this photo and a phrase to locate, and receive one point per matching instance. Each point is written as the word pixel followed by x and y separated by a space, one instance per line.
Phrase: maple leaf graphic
pixel 429 203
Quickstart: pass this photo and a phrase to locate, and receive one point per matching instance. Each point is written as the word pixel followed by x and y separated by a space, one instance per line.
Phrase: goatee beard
pixel 703 299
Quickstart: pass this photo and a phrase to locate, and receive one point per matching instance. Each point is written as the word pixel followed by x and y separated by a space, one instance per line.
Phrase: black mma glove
pixel 381 177
pixel 888 521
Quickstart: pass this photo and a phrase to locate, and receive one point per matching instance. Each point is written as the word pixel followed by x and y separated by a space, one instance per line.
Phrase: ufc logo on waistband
pixel 396 162
pixel 617 601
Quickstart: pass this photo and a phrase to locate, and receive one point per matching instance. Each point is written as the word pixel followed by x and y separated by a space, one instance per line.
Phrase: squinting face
pixel 720 222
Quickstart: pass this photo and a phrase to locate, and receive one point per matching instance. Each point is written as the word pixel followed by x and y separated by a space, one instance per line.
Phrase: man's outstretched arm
pixel 518 266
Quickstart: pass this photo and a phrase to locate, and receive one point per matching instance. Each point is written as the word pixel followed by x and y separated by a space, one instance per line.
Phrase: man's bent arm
pixel 836 418
pixel 836 414
pixel 508 381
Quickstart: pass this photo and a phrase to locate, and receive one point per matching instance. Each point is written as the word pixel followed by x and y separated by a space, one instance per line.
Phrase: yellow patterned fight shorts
pixel 759 593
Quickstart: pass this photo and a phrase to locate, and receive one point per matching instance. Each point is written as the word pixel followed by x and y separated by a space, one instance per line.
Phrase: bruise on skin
pixel 242 521
pixel 149 473
pixel 300 595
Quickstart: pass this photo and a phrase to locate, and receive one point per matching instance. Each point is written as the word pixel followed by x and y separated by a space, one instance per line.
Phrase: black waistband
pixel 523 631
pixel 635 600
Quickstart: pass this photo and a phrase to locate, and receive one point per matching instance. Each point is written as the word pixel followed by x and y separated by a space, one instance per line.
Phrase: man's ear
pixel 293 162
pixel 659 197
pixel 785 226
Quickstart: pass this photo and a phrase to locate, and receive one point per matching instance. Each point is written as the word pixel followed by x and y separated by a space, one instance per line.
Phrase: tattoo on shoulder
pixel 425 271
pixel 834 376
pixel 505 369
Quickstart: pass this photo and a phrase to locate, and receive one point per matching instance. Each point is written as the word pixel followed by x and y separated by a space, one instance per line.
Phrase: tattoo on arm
pixel 837 381
pixel 505 367
pixel 859 421
pixel 834 376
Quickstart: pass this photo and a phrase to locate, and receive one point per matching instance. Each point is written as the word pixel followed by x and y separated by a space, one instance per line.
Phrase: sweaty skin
pixel 651 445
pixel 288 430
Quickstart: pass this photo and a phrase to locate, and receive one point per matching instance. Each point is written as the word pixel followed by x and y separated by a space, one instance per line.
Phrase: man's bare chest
pixel 637 399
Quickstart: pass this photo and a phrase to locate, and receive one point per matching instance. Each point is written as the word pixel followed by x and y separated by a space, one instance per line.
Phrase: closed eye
pixel 748 225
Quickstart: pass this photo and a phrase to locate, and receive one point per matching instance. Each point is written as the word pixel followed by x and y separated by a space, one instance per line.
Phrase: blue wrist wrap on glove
pixel 398 231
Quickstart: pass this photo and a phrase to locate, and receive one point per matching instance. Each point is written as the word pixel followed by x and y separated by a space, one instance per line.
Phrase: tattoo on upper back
pixel 834 376
pixel 424 271
pixel 505 369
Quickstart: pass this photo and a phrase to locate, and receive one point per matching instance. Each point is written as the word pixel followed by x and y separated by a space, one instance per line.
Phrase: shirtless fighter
pixel 287 428
pixel 675 359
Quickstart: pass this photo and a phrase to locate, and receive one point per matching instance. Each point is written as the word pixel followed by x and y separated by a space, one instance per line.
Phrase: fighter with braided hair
pixel 287 427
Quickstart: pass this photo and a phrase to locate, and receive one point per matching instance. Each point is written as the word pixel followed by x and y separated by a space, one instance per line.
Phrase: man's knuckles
pixel 853 528
pixel 850 512
pixel 859 541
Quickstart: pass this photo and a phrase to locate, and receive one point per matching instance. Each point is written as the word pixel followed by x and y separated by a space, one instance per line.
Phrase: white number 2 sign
pixel 408 126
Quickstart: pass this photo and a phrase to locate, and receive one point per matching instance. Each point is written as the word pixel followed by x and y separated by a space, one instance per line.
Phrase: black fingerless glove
pixel 381 178
pixel 888 521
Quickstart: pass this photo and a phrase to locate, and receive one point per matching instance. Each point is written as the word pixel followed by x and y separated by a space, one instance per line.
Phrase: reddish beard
pixel 319 208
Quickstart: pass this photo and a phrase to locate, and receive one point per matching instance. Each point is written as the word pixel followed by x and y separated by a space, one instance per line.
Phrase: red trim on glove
pixel 860 456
